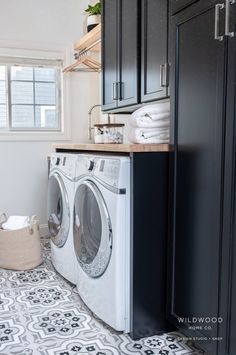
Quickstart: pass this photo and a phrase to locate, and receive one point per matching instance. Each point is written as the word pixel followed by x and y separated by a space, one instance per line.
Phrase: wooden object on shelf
pixel 87 61
pixel 87 41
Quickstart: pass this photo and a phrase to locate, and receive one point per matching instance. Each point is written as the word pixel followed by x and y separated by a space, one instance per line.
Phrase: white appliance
pixel 102 236
pixel 60 214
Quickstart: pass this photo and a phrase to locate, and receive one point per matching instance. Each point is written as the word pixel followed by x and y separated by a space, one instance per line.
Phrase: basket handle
pixel 3 218
pixel 32 221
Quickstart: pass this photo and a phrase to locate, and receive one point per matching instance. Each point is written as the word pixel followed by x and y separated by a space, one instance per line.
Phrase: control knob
pixel 91 165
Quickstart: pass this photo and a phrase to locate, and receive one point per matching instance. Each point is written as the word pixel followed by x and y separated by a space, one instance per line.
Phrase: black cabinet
pixel 203 111
pixel 154 71
pixel 120 40
pixel 134 52
pixel 149 212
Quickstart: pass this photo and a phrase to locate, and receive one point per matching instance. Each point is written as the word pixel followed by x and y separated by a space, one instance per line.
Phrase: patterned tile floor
pixel 42 314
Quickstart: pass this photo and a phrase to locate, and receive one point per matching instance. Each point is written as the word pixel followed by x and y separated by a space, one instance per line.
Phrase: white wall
pixel 23 169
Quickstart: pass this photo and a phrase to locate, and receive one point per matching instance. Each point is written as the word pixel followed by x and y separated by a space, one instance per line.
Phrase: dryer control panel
pixel 107 170
pixel 110 170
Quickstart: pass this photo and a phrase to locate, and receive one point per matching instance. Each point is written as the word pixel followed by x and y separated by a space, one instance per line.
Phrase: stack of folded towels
pixel 151 124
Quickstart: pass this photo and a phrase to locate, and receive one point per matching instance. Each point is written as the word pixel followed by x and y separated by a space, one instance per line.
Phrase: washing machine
pixel 102 236
pixel 60 214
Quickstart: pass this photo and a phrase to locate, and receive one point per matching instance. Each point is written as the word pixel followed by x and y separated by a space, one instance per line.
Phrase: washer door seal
pixel 58 211
pixel 92 230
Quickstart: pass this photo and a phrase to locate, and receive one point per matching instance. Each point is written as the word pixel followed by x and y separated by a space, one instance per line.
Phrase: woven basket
pixel 20 249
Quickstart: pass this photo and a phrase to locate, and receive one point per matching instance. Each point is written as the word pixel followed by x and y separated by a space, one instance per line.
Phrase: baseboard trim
pixel 43 230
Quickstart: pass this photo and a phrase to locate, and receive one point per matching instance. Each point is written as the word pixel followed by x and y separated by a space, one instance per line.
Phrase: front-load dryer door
pixel 58 210
pixel 92 230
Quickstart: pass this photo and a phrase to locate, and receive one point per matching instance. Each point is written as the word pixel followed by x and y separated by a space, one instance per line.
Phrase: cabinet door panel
pixel 154 48
pixel 128 52
pixel 177 5
pixel 109 52
pixel 198 165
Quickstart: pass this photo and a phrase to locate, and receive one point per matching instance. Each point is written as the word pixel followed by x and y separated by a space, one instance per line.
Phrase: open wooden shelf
pixel 89 42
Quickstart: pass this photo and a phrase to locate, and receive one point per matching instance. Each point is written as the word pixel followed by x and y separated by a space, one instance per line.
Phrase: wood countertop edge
pixel 122 148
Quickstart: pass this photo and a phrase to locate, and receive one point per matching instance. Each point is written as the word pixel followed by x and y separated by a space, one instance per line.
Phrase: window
pixel 30 95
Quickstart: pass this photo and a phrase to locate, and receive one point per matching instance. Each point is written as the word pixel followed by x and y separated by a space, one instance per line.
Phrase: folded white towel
pixel 151 121
pixel 146 135
pixel 16 222
pixel 161 107
pixel 157 116
pixel 152 140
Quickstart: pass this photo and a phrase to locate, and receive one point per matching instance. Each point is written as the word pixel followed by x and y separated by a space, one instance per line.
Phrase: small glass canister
pixel 109 133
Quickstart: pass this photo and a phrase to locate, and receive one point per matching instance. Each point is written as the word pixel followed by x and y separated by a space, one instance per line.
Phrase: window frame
pixel 36 51
pixel 25 62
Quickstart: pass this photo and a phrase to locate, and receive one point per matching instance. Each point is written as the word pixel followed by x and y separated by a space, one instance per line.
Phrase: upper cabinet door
pixel 109 53
pixel 154 80
pixel 128 35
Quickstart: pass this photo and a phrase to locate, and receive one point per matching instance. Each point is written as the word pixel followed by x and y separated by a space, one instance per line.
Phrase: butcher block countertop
pixel 117 148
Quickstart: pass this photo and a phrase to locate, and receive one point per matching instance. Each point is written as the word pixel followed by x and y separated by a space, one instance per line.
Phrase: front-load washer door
pixel 58 210
pixel 92 230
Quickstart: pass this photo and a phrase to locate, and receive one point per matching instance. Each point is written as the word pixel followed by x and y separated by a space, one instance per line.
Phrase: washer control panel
pixel 63 162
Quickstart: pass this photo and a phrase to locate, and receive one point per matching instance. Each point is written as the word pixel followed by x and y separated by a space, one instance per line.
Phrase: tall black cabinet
pixel 202 272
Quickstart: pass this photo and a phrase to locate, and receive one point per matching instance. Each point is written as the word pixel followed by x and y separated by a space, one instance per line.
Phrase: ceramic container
pixel 109 133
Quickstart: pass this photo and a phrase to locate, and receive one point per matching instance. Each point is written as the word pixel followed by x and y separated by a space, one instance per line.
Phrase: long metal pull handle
pixel 218 7
pixel 162 66
pixel 115 91
pixel 228 3
pixel 164 75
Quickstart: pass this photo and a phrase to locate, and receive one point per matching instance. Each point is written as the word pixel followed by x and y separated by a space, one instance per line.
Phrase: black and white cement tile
pixel 42 314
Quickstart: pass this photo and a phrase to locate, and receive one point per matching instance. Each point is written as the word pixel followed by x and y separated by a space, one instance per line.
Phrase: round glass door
pixel 58 211
pixel 92 230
